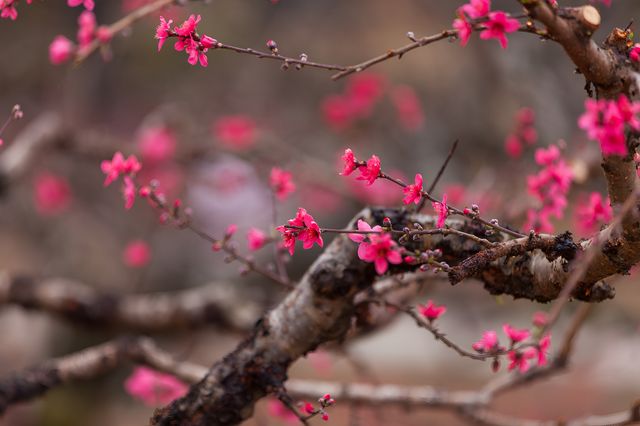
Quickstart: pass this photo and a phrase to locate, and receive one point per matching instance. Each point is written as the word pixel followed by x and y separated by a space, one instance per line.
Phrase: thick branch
pixel 214 304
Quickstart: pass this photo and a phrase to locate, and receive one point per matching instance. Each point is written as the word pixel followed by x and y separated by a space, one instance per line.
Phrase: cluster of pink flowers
pixel 128 168
pixel 524 133
pixel 495 24
pixel 62 49
pixel 549 187
pixel 87 4
pixel 519 359
pixel 52 194
pixel 189 41
pixel 594 212
pixel 369 171
pixel 362 93
pixel 377 248
pixel 431 311
pixel 304 228
pixel 235 132
pixel 606 121
pixel 154 388
pixel 136 254
pixel 281 183
pixel 8 9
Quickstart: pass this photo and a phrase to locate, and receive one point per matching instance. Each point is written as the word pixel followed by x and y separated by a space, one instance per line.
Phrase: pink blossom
pixel 596 211
pixel 538 221
pixel 87 26
pixel 381 250
pixel 157 144
pixel 540 319
pixel 520 359
pixel 543 349
pixel 231 229
pixel 189 26
pixel 136 254
pixel 498 25
pixel 349 162
pixel 413 193
pixel 88 4
pixel 281 183
pixel 304 228
pixel 60 50
pixel 605 121
pixel 128 192
pixel 364 226
pixel 104 34
pixel 337 112
pixel 546 157
pixel 464 29
pixel 52 194
pixel 476 8
pixel 163 30
pixel 489 343
pixel 371 171
pixel 408 108
pixel 153 387
pixel 634 53
pixel 8 9
pixel 442 211
pixel 280 411
pixel 431 311
pixel 236 132
pixel 514 334
pixel 363 91
pixel 513 147
pixel 118 165
pixel 256 239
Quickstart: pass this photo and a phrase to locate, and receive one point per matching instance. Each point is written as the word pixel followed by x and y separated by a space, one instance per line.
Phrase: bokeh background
pixel 472 94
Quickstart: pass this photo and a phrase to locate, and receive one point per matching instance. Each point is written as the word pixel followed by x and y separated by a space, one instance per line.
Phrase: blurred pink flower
pixel 594 212
pixel 408 108
pixel 88 4
pixel 153 387
pixel 156 144
pixel 256 239
pixel 514 334
pixel 431 311
pixel 136 254
pixel 281 182
pixel 235 132
pixel 60 50
pixel 52 194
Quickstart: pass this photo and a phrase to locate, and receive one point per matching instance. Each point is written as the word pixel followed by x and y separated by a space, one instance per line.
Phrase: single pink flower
pixel 634 53
pixel 189 26
pixel 349 162
pixel 543 349
pixel 136 254
pixel 312 234
pixel 520 359
pixel 489 343
pixel 464 29
pixel 236 132
pixel 112 168
pixel 430 311
pixel 381 250
pixel 256 239
pixel 413 193
pixel 442 211
pixel 52 194
pixel 371 171
pixel 87 26
pixel 281 183
pixel 280 411
pixel 157 144
pixel 153 387
pixel 540 319
pixel 498 25
pixel 129 192
pixel 513 147
pixel 514 334
pixel 60 50
pixel 476 8
pixel 337 112
pixel 363 90
pixel 408 108
pixel 364 226
pixel 163 30
pixel 596 211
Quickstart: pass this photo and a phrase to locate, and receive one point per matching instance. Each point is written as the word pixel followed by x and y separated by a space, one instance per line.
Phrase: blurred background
pixel 210 136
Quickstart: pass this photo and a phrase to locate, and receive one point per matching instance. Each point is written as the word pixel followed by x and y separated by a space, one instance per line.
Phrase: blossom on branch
pixel 153 387
pixel 413 193
pixel 188 39
pixel 498 25
pixel 302 227
pixel 371 171
pixel 441 210
pixel 281 183
pixel 431 311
